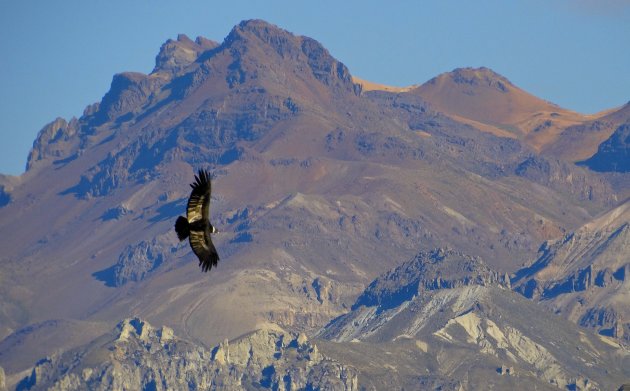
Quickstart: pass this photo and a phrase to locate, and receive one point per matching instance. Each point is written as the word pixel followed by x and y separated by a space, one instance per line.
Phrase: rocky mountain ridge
pixel 427 271
pixel 476 317
pixel 138 356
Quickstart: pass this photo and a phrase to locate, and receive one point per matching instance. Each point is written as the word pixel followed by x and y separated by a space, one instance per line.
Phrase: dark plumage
pixel 196 225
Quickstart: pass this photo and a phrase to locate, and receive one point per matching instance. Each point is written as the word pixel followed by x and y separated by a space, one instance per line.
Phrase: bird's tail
pixel 182 228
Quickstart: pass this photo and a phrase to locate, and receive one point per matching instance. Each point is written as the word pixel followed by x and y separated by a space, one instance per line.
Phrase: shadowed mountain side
pixel 317 189
pixel 461 322
pixel 613 154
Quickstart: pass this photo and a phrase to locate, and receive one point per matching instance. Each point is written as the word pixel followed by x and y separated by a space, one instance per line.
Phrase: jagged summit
pixel 176 55
pixel 251 40
pixel 258 64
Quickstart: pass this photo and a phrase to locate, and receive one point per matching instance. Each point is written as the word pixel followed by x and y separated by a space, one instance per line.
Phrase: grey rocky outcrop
pixel 138 356
pixel 53 141
pixel 176 55
pixel 136 261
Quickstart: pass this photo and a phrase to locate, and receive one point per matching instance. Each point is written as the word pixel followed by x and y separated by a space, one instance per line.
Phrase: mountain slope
pixel 584 275
pixel 318 187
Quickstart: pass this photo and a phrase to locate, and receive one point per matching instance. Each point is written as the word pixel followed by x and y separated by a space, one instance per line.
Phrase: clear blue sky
pixel 59 56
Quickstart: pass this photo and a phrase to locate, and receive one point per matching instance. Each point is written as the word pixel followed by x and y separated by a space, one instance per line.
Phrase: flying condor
pixel 196 225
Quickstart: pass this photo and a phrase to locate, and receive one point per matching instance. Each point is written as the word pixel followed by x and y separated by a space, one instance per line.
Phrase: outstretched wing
pixel 199 201
pixel 204 249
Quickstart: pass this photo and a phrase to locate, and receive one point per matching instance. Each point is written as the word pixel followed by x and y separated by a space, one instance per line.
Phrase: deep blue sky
pixel 59 56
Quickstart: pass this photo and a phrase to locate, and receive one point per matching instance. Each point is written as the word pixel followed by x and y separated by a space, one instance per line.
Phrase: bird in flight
pixel 196 225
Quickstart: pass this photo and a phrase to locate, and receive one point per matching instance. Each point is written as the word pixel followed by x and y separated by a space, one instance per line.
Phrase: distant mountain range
pixel 322 183
pixel 491 103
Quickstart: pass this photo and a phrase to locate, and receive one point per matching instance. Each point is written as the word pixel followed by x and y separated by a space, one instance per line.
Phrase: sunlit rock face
pixel 138 356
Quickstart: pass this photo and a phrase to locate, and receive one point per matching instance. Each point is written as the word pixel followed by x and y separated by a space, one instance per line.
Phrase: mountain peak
pixel 489 101
pixel 261 29
pixel 480 77
pixel 254 25
pixel 252 39
pixel 474 83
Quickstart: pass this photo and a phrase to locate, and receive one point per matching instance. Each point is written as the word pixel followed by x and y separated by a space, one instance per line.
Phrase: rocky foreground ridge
pixel 137 356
